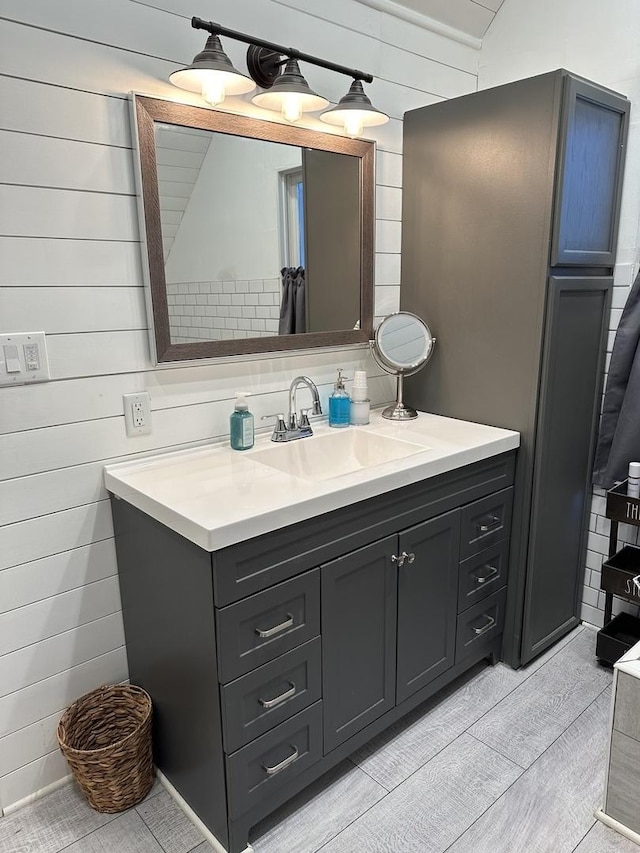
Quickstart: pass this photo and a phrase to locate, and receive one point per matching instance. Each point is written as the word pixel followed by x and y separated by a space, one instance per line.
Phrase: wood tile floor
pixel 502 762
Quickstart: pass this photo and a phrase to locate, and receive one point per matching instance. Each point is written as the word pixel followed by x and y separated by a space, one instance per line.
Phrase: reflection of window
pixel 292 217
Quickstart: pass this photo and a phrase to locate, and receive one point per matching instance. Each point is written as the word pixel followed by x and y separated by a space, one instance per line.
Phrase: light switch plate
pixel 23 358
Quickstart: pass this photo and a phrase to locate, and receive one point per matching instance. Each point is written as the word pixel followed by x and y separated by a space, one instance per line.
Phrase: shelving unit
pixel 620 577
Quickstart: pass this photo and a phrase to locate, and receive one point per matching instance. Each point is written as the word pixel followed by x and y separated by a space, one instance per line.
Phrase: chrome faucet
pixel 316 408
pixel 292 428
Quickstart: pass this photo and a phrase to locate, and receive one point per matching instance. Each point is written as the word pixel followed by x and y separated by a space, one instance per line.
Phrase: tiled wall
pixel 222 310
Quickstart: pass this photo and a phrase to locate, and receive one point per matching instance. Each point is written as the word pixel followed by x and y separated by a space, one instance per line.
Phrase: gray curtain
pixel 619 438
pixel 293 315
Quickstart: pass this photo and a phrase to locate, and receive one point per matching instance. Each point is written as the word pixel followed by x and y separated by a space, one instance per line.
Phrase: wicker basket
pixel 106 738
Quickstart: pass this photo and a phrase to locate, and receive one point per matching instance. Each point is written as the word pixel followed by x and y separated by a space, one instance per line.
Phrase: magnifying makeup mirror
pixel 403 343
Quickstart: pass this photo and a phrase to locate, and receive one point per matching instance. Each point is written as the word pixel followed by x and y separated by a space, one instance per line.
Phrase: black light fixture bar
pixel 291 52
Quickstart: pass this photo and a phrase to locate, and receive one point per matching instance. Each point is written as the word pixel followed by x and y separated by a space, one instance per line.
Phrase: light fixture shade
pixel 212 75
pixel 291 94
pixel 354 111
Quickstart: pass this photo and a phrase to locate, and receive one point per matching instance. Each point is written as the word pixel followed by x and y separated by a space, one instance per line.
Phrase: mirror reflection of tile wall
pixel 223 310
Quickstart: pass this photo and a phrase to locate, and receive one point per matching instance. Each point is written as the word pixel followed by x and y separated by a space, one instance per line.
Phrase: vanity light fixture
pixel 212 75
pixel 286 90
pixel 354 111
pixel 291 94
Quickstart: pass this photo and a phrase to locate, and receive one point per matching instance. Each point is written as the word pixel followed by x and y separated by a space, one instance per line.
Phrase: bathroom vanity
pixel 284 605
pixel 621 809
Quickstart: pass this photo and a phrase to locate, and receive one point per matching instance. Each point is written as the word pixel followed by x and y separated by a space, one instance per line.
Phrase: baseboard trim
pixel 620 828
pixel 36 795
pixel 193 817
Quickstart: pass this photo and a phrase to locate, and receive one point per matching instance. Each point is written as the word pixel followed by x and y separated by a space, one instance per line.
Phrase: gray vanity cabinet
pixel 271 660
pixel 358 639
pixel 427 602
pixel 510 218
pixel 404 587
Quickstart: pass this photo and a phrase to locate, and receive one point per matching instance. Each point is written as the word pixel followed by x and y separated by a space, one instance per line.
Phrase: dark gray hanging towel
pixel 619 438
pixel 293 316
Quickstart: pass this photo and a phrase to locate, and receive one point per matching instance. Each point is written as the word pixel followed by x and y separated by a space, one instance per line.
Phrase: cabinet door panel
pixel 358 639
pixel 427 602
pixel 570 389
pixel 590 176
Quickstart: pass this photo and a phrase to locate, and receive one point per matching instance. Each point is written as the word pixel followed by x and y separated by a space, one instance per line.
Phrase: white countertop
pixel 216 496
pixel 630 662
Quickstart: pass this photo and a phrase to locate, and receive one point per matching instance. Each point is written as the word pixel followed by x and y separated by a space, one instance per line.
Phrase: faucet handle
pixel 305 426
pixel 279 429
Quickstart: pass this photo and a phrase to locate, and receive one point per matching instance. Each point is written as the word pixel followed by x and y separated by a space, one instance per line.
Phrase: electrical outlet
pixel 137 413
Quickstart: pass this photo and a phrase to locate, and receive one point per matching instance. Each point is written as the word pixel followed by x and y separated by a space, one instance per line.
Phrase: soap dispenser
pixel 241 424
pixel 339 403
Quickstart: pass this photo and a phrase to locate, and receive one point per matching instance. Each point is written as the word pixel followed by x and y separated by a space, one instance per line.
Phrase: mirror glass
pixel 402 345
pixel 259 235
pixel 404 342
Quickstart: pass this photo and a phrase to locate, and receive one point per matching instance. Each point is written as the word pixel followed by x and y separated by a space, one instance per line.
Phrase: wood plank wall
pixel 70 265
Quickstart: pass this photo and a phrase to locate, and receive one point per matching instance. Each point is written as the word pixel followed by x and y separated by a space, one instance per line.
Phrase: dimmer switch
pixel 23 358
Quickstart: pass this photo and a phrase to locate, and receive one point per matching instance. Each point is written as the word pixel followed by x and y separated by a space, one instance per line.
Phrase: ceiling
pixel 472 17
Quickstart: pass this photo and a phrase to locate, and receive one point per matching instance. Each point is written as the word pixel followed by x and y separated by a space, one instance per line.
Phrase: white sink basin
pixel 326 456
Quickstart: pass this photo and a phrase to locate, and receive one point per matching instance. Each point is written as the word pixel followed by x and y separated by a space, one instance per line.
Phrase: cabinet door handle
pixel 400 560
pixel 277 629
pixel 270 771
pixel 491 571
pixel 486 627
pixel 492 523
pixel 271 703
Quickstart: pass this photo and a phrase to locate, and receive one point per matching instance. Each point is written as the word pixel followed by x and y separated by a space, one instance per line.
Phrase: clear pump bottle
pixel 339 403
pixel 241 430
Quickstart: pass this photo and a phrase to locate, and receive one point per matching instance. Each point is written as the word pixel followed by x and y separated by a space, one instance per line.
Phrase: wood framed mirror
pixel 256 236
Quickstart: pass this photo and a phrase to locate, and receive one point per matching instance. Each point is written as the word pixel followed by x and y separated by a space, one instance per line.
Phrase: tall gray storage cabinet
pixel 510 217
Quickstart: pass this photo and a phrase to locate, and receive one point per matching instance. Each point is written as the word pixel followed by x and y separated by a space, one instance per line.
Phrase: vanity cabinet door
pixel 427 602
pixel 358 593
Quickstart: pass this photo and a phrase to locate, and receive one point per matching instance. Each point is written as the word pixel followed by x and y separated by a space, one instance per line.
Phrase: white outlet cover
pixel 139 424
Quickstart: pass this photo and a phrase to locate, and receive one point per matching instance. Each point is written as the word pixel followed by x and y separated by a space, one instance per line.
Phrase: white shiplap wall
pixel 600 41
pixel 70 264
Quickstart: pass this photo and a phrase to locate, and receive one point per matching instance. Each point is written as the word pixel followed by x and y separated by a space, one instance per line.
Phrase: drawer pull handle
pixel 270 771
pixel 271 703
pixel 492 523
pixel 636 581
pixel 400 560
pixel 277 629
pixel 491 571
pixel 486 627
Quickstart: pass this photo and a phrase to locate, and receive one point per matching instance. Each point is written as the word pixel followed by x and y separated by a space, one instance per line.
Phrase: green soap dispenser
pixel 339 403
pixel 241 429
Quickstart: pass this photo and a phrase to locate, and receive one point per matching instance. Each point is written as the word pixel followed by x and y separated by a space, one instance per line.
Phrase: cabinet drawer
pixel 482 574
pixel 260 700
pixel 481 623
pixel 621 574
pixel 263 766
pixel 264 626
pixel 485 522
